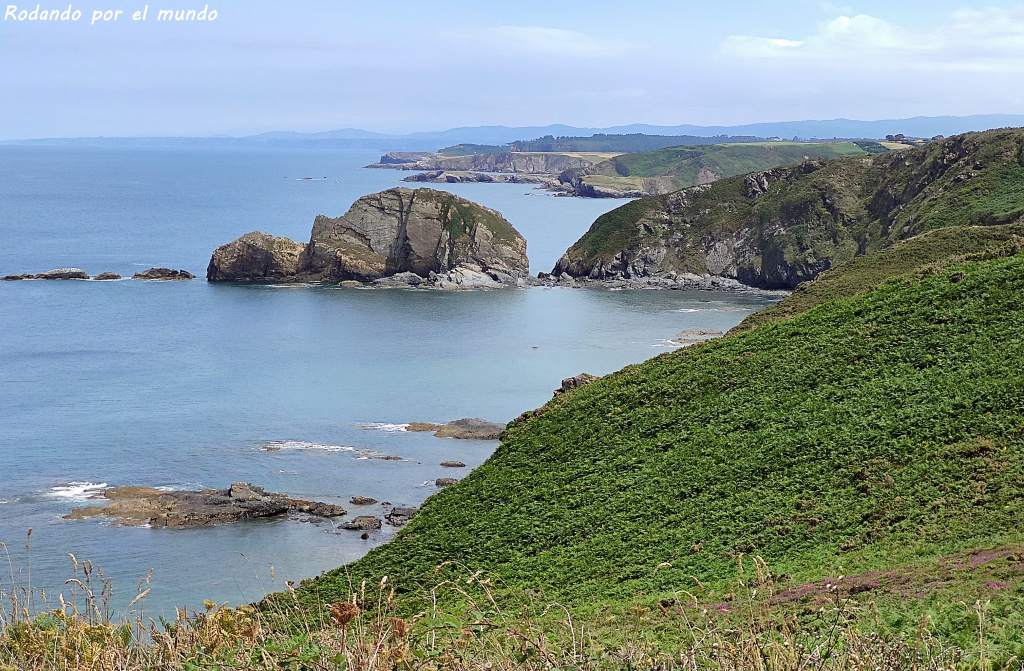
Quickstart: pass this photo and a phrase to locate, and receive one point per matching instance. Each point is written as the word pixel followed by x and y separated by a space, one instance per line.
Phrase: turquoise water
pixel 180 385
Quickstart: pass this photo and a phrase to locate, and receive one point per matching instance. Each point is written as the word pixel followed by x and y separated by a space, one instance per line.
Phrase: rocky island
pixel 398 237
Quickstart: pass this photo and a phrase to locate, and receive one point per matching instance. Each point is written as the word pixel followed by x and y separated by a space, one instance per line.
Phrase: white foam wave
pixel 77 490
pixel 384 426
pixel 279 445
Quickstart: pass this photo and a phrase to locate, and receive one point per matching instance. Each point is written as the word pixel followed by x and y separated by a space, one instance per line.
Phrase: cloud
pixel 536 40
pixel 990 40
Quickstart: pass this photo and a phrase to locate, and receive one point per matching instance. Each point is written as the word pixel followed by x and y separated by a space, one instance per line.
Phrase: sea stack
pixel 399 236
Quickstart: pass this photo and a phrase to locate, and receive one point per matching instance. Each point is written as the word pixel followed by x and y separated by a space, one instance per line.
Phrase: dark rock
pixel 400 515
pixel 13 278
pixel 363 523
pixel 471 429
pixel 453 464
pixel 107 276
pixel 575 382
pixel 142 506
pixel 422 426
pixel 362 501
pixel 445 482
pixel 164 274
pixel 63 274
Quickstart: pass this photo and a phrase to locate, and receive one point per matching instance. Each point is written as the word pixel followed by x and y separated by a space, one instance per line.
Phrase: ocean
pixel 184 385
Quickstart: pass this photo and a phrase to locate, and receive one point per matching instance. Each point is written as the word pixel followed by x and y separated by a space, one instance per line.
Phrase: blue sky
pixel 392 66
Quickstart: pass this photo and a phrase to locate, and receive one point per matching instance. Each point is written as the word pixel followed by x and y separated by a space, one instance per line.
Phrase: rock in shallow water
pixel 142 506
pixel 472 428
pixel 164 274
pixel 363 523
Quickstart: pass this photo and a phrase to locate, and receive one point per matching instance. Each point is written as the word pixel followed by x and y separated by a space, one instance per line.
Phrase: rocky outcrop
pixel 400 515
pixel 362 523
pixel 62 274
pixel 145 506
pixel 104 277
pixel 693 337
pixel 398 237
pixel 471 429
pixel 453 464
pixel 362 501
pixel 445 482
pixel 777 228
pixel 163 274
pixel 575 382
pixel 255 256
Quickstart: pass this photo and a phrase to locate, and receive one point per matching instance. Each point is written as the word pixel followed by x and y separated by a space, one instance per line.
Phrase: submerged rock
pixel 363 523
pixel 146 506
pixel 400 515
pixel 164 274
pixel 255 256
pixel 362 501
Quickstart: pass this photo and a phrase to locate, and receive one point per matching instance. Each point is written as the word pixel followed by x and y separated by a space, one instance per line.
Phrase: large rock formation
pixel 403 234
pixel 255 256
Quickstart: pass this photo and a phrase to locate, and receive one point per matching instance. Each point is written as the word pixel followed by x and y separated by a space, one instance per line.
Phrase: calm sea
pixel 181 385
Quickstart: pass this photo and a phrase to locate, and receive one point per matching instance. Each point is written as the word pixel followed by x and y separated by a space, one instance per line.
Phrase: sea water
pixel 299 389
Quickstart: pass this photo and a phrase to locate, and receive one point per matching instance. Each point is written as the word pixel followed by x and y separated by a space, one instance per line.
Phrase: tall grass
pixel 467 627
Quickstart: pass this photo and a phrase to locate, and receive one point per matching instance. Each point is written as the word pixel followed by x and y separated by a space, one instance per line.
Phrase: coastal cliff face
pixel 414 235
pixel 535 163
pixel 777 228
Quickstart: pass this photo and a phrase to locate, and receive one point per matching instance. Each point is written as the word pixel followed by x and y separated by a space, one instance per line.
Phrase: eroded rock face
pixel 419 231
pixel 399 237
pixel 400 515
pixel 255 256
pixel 142 506
pixel 63 274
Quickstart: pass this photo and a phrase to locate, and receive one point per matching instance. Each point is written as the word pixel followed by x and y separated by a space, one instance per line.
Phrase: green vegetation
pixel 678 167
pixel 877 433
pixel 794 223
pixel 943 247
pixel 461 215
pixel 470 149
pixel 627 143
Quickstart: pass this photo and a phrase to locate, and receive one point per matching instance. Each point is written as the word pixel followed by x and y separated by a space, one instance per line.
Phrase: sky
pixel 392 66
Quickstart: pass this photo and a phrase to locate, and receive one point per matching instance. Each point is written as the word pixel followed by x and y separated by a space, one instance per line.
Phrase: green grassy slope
pixel 943 247
pixel 866 432
pixel 679 167
pixel 790 224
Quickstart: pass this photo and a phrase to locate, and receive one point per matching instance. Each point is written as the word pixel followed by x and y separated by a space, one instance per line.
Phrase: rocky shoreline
pixel 669 281
pixel 158 274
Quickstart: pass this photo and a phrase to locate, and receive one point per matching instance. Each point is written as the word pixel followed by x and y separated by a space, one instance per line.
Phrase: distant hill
pixel 926 127
pixel 666 170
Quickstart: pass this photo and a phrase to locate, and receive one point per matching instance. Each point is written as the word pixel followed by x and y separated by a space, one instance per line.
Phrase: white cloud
pixel 980 41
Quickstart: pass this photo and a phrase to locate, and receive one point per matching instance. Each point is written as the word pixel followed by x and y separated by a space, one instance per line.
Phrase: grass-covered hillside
pixel 657 172
pixel 863 435
pixel 783 226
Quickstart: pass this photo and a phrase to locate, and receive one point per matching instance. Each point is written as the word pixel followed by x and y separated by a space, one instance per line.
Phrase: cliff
pixel 534 163
pixel 402 235
pixel 780 227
